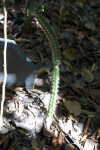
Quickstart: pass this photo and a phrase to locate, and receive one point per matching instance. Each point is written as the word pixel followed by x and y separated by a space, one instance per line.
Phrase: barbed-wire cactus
pixel 56 62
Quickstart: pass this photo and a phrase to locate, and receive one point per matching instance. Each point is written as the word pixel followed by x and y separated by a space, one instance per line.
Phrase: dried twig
pixel 5 65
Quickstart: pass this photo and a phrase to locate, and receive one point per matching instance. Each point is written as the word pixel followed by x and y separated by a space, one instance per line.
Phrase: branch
pixel 5 65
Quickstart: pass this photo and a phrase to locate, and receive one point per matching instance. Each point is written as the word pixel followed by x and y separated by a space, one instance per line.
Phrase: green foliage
pixel 30 10
pixel 42 8
pixel 35 7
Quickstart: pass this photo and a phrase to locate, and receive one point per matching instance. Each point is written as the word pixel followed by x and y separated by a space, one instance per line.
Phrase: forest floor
pixel 76 123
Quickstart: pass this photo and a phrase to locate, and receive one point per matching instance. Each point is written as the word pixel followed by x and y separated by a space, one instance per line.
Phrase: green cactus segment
pixel 56 61
pixel 52 39
pixel 54 91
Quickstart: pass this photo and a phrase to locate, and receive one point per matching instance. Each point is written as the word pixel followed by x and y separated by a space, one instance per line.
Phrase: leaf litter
pixel 77 118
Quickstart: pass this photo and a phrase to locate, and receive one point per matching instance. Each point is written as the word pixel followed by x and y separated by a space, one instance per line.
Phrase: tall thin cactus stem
pixel 56 62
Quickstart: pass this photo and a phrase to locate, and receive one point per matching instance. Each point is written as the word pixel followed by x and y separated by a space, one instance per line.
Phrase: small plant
pixel 56 62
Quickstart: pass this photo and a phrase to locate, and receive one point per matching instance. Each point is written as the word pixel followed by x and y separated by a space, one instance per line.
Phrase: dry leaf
pixel 94 67
pixel 82 34
pixel 57 141
pixel 31 56
pixel 95 93
pixel 54 142
pixel 68 64
pixel 69 54
pixel 1 141
pixel 22 131
pixel 79 3
pixel 21 40
pixel 88 113
pixel 90 25
pixel 78 85
pixel 87 74
pixel 6 141
pixel 41 71
pixel 73 107
pixel 95 42
pixel 35 144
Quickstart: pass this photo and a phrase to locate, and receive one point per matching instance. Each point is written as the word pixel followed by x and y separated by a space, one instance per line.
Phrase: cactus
pixel 56 62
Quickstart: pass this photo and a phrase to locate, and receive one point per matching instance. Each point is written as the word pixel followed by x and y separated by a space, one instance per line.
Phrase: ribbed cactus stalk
pixel 56 62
